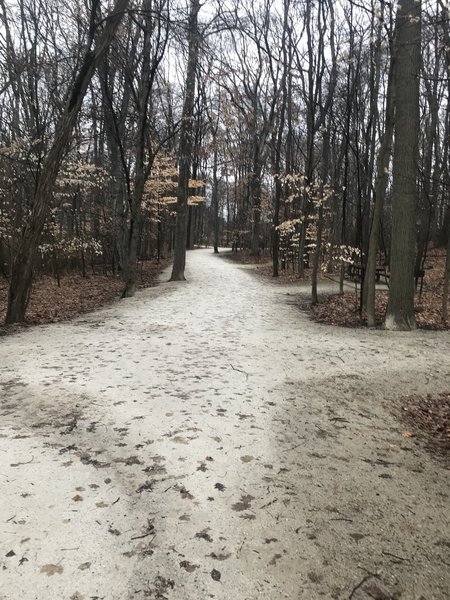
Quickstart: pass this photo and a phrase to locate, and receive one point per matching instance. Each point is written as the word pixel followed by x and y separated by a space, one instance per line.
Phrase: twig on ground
pixel 395 556
pixel 240 370
pixel 340 419
pixel 239 548
pixel 269 503
pixel 140 537
pixel 361 583
pixel 22 463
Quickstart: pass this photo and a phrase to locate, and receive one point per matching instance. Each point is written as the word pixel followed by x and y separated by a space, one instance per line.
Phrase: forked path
pixel 206 440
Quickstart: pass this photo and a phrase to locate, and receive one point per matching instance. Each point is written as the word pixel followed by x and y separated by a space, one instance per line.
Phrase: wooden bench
pixel 381 272
pixel 357 272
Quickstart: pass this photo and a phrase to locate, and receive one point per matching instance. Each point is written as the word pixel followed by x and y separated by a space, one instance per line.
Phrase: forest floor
pixel 206 439
pixel 74 295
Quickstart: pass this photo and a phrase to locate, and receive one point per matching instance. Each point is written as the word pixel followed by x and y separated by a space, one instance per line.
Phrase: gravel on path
pixel 206 440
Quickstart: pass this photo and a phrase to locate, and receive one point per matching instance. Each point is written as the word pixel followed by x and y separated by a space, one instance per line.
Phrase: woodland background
pixel 266 126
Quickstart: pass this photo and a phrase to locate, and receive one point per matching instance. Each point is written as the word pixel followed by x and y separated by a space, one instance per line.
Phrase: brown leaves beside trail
pixel 288 275
pixel 428 417
pixel 343 310
pixel 245 258
pixel 264 268
pixel 50 303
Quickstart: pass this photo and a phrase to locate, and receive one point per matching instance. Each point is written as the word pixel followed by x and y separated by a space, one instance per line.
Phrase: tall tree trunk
pixel 24 261
pixel 185 148
pixel 278 140
pixel 383 159
pixel 446 274
pixel 130 250
pixel 320 219
pixel 400 312
pixel 255 196
pixel 427 198
pixel 215 200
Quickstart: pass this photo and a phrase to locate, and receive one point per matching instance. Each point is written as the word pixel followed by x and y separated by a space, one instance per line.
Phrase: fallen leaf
pixel 243 504
pixel 407 434
pixel 78 498
pixel 247 458
pixel 185 494
pixel 219 556
pixel 187 566
pixel 145 487
pixel 204 535
pixel 50 569
pixel 85 566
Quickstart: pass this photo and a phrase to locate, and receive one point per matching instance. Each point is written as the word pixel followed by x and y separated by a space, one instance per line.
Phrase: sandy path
pixel 206 440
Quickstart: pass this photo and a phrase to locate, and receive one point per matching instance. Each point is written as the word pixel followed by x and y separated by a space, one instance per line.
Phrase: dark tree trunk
pixel 383 159
pixel 320 220
pixel 446 274
pixel 400 312
pixel 23 265
pixel 130 249
pixel 215 203
pixel 185 149
pixel 151 43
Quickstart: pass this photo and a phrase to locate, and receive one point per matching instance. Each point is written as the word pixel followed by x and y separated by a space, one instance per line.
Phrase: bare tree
pixel 400 312
pixel 382 171
pixel 22 268
pixel 186 143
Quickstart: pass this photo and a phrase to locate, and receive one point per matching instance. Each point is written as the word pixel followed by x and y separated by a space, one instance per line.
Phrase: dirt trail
pixel 206 440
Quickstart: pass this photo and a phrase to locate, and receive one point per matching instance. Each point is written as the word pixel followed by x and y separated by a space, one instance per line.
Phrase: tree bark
pixel 130 251
pixel 400 312
pixel 23 264
pixel 320 218
pixel 278 138
pixel 383 159
pixel 215 200
pixel 185 148
pixel 446 274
